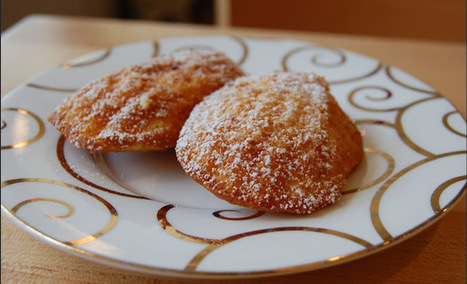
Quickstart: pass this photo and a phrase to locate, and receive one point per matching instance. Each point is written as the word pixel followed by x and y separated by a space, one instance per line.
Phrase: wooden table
pixel 37 43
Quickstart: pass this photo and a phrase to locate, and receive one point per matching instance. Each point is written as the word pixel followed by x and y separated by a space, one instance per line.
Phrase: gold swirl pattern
pixel 70 208
pixel 374 121
pixel 156 48
pixel 403 136
pixel 219 215
pixel 390 168
pixel 113 212
pixel 398 124
pixel 367 75
pixel 378 67
pixel 435 204
pixel 84 61
pixel 239 40
pixel 196 260
pixel 87 60
pixel 244 46
pixel 391 76
pixel 374 208
pixel 375 202
pixel 448 126
pixel 38 136
pixel 166 226
pixel 54 89
pixel 195 46
pixel 339 55
pixel 64 163
pixel 216 243
pixel 388 95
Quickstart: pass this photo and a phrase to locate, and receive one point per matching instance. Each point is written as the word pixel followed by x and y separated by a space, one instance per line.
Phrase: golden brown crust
pixel 274 142
pixel 142 107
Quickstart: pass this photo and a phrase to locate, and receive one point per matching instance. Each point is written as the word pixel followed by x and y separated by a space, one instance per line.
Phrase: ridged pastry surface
pixel 275 142
pixel 142 107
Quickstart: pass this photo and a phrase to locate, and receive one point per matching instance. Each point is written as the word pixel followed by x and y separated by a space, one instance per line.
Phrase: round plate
pixel 141 212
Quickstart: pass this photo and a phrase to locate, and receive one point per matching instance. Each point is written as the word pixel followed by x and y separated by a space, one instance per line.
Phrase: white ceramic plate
pixel 141 212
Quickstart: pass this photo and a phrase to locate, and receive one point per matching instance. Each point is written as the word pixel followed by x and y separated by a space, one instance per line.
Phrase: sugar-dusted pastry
pixel 142 107
pixel 274 142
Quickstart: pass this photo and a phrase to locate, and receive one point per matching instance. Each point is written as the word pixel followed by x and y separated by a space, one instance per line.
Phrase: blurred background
pixel 418 19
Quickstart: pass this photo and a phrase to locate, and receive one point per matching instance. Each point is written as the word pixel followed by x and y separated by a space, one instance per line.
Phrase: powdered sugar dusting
pixel 142 107
pixel 265 141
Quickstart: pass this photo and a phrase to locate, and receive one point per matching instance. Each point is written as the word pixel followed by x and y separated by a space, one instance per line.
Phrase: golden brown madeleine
pixel 275 142
pixel 142 107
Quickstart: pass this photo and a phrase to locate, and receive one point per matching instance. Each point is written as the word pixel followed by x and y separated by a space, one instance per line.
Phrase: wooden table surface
pixel 40 42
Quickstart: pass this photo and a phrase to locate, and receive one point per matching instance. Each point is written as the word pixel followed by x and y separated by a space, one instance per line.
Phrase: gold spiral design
pixel 166 226
pixel 341 58
pixel 403 136
pixel 38 136
pixel 391 76
pixel 113 212
pixel 370 73
pixel 398 123
pixel 60 151
pixel 86 60
pixel 216 243
pixel 83 62
pixel 156 48
pixel 449 127
pixel 375 202
pixel 239 40
pixel 195 46
pixel 388 95
pixel 70 208
pixel 198 258
pixel 374 121
pixel 245 49
pixel 218 214
pixel 48 88
pixel 435 204
pixel 390 168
